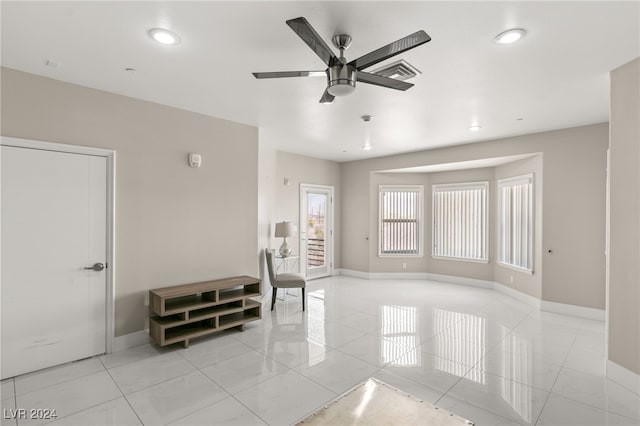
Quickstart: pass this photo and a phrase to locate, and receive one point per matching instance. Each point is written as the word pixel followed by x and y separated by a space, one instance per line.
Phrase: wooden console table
pixel 183 312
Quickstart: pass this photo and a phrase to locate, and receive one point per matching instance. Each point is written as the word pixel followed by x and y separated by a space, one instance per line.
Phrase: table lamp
pixel 284 230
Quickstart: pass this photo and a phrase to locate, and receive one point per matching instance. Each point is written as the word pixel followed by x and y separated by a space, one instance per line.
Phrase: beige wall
pixel 573 190
pixel 624 231
pixel 355 216
pixel 174 224
pixel 574 185
pixel 267 193
pixel 300 169
pixel 279 202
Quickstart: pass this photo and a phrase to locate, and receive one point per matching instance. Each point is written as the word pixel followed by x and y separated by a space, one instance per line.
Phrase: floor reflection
pixel 459 343
pixel 516 369
pixel 317 317
pixel 399 334
pixel 316 333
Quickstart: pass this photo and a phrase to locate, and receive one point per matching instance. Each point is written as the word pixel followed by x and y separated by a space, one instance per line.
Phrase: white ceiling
pixel 462 165
pixel 556 77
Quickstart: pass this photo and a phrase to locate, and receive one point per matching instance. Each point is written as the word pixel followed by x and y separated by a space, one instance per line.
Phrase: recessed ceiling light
pixel 164 36
pixel 367 147
pixel 475 128
pixel 510 36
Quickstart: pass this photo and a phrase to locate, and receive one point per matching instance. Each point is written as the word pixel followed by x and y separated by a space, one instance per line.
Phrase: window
pixel 400 223
pixel 516 222
pixel 460 221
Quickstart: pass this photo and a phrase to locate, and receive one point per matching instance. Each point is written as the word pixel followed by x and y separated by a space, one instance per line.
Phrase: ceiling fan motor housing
pixel 341 79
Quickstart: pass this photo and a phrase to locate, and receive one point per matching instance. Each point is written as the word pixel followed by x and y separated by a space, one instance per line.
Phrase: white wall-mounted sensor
pixel 195 160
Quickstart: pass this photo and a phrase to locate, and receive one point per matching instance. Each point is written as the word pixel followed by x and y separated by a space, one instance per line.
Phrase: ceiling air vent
pixel 399 70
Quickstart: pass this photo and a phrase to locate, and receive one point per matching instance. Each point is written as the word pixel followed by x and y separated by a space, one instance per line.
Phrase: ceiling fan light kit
pixel 342 75
pixel 341 80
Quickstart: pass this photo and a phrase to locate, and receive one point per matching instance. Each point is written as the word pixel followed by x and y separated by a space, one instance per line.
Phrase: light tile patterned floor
pixel 474 352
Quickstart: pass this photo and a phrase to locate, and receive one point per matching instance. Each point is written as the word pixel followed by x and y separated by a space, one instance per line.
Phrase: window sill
pixel 516 268
pixel 382 255
pixel 461 259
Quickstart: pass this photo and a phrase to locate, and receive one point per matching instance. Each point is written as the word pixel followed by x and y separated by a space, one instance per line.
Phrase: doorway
pixel 57 254
pixel 316 230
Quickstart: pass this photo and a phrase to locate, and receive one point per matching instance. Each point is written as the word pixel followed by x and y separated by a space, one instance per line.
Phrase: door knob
pixel 96 267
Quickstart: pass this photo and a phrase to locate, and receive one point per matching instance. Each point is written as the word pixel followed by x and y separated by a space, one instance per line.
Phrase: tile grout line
pixel 149 386
pixel 124 396
pixel 242 390
pixel 225 390
pixel 557 377
pixel 469 370
pixel 80 411
pixel 58 383
pixel 136 360
pixel 177 351
pixel 15 397
pixel 208 405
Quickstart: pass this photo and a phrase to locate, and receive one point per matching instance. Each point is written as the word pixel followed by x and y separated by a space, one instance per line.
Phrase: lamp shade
pixel 284 229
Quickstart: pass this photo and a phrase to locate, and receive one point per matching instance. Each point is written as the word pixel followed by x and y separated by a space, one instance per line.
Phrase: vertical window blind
pixel 460 221
pixel 400 223
pixel 516 222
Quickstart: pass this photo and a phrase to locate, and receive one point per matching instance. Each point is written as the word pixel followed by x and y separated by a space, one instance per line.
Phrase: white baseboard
pixel 355 274
pixel 625 378
pixel 574 310
pixel 131 340
pixel 398 276
pixel 452 279
pixel 532 301
pixel 412 276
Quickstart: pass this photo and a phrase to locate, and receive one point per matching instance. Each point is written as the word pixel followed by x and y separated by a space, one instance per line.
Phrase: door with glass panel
pixel 316 230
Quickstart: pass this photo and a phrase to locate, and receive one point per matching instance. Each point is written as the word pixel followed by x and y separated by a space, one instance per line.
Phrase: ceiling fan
pixel 342 75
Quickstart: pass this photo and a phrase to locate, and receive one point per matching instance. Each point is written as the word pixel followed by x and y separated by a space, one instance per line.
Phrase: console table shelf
pixel 183 312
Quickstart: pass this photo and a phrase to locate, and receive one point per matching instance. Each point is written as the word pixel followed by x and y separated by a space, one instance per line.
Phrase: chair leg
pixel 303 299
pixel 273 297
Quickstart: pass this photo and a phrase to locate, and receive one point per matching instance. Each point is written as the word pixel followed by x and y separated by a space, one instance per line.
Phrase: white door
pixel 316 230
pixel 53 228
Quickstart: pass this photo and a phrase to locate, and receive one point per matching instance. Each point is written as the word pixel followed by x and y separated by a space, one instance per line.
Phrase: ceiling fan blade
pixel 409 42
pixel 327 98
pixel 305 31
pixel 280 74
pixel 378 80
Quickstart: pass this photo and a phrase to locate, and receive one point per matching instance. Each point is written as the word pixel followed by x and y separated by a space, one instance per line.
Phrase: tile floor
pixel 475 352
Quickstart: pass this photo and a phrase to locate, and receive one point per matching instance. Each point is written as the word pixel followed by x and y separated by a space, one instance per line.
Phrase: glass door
pixel 316 230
